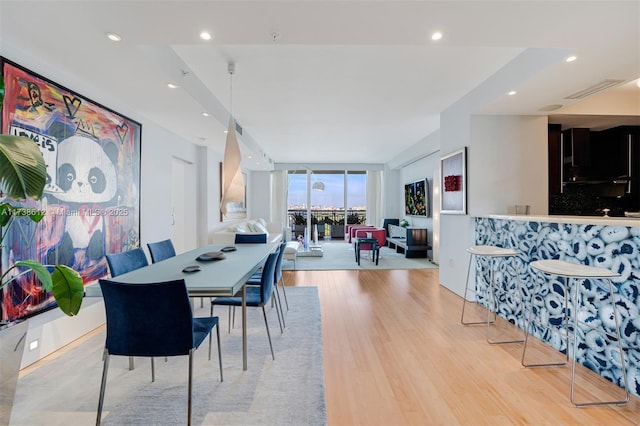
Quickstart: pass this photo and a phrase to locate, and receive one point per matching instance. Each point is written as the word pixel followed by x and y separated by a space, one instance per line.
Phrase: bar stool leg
pixel 575 345
pixel 529 323
pixel 494 298
pixel 464 299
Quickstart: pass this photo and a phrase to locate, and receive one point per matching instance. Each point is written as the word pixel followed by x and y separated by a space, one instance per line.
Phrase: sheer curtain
pixel 279 200
pixel 375 197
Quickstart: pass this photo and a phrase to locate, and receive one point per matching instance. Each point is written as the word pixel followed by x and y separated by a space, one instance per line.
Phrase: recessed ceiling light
pixel 205 35
pixel 249 157
pixel 511 93
pixel 225 131
pixel 571 58
pixel 172 86
pixel 113 36
pixel 638 82
pixel 436 36
pixel 205 113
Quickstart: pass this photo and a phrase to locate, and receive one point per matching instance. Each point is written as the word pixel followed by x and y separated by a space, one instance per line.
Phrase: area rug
pixel 287 391
pixel 341 256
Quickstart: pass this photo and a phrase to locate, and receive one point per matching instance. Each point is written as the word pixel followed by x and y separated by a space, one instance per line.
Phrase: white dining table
pixel 224 277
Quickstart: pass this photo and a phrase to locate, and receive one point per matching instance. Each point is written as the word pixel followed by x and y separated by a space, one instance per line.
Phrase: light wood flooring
pixel 395 353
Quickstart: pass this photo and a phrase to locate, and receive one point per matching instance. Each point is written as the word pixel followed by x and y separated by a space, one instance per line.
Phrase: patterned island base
pixel 604 245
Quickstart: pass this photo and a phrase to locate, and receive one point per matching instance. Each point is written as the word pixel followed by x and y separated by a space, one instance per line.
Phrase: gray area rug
pixel 341 256
pixel 287 391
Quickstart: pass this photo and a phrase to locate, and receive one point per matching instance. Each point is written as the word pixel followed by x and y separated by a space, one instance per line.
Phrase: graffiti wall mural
pixel 91 198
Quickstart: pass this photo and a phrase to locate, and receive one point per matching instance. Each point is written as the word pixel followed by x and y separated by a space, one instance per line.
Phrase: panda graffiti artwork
pixel 86 180
pixel 91 200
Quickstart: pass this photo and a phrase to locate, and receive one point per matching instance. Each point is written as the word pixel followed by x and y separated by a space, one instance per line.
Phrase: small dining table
pixel 216 277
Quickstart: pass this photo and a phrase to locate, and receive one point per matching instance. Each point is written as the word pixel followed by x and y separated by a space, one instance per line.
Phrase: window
pixel 327 208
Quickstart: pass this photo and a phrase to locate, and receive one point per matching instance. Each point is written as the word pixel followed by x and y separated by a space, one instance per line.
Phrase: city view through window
pixel 327 208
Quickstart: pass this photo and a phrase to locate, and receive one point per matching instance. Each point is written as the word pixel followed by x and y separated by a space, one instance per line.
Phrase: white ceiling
pixel 343 81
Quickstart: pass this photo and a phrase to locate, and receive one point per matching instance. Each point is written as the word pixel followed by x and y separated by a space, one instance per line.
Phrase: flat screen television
pixel 416 198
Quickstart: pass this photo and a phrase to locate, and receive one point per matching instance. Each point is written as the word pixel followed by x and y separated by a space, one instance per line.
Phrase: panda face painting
pixel 86 174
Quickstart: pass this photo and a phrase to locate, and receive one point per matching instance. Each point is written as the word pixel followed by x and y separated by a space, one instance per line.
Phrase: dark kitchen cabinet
pixel 615 152
pixel 576 153
pixel 593 170
pixel 555 159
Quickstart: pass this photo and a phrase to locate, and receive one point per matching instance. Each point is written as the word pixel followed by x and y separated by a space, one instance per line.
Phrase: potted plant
pixel 22 176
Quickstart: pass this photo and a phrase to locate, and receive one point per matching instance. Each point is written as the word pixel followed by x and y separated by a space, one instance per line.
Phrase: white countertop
pixel 582 220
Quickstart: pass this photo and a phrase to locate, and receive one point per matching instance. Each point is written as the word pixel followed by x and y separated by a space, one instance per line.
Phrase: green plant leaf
pixel 41 272
pixel 68 289
pixel 23 172
pixel 5 213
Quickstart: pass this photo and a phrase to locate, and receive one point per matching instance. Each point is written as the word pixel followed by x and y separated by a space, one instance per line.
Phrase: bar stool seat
pixel 491 252
pixel 575 271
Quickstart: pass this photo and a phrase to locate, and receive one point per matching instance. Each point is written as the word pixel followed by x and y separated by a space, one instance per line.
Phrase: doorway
pixel 183 205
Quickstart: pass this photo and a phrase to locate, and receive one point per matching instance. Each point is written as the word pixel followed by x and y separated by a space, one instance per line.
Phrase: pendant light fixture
pixel 232 183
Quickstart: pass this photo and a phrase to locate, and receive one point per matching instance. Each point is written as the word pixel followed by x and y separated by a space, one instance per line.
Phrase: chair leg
pixel 530 321
pixel 103 385
pixel 131 366
pixel 190 387
pixel 230 319
pixel 284 292
pixel 153 371
pixel 264 313
pixel 280 317
pixel 575 345
pixel 464 296
pixel 279 304
pixel 493 304
pixel 219 351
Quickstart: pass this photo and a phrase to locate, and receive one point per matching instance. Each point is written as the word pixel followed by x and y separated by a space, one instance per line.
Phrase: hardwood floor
pixel 395 353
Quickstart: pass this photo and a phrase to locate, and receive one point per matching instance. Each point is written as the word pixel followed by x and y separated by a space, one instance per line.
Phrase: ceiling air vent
pixel 238 129
pixel 604 84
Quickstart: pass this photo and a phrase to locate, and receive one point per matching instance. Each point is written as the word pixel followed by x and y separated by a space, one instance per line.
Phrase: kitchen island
pixel 612 243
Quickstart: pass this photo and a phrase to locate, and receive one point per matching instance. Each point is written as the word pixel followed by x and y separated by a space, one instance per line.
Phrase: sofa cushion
pixel 259 227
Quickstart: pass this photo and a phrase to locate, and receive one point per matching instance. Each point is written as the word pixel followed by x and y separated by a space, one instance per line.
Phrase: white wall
pixel 394 199
pixel 506 165
pixel 259 196
pixel 420 169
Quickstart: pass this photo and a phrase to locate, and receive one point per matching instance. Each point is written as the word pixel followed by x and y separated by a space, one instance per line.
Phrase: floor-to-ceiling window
pixel 324 200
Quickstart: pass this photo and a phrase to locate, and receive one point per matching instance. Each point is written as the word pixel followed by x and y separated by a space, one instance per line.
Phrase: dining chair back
pixel 251 238
pixel 279 278
pixel 121 263
pixel 152 319
pixel 161 250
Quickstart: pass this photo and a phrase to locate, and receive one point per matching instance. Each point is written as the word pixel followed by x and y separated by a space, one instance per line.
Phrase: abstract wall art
pixel 91 199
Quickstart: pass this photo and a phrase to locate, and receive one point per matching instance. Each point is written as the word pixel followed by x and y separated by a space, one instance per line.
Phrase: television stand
pixel 412 241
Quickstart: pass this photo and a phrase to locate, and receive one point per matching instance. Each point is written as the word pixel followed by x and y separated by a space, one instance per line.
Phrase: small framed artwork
pixel 453 173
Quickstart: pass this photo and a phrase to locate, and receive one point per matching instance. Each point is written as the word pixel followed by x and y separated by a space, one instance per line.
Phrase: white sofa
pixel 227 234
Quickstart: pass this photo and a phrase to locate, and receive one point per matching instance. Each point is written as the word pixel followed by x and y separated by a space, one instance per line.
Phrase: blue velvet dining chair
pixel 161 250
pixel 256 297
pixel 251 238
pixel 256 279
pixel 152 319
pixel 121 263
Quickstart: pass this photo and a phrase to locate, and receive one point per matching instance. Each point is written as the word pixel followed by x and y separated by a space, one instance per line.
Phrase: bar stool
pixel 492 253
pixel 575 271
